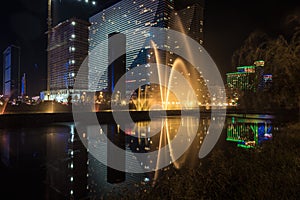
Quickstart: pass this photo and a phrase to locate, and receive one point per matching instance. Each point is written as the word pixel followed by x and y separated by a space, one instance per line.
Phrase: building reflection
pixel 249 132
pixel 67 165
pixel 139 138
pixel 22 154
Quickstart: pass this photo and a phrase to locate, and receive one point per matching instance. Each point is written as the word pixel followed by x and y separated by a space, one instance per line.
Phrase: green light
pixel 245 146
pixel 246 67
pixel 234 140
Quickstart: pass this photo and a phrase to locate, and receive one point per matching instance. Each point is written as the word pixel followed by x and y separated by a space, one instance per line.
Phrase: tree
pixel 282 60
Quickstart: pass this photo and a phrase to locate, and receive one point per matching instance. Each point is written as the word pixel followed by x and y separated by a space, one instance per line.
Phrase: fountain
pixel 161 96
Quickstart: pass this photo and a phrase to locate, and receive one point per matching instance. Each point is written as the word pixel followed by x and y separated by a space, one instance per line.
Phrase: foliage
pixel 282 60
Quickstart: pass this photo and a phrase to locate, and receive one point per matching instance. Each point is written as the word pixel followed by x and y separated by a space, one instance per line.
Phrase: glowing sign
pixel 267 77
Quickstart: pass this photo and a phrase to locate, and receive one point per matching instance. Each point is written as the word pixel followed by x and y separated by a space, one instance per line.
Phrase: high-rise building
pixel 117 66
pixel 11 71
pixel 132 18
pixel 67 49
pixel 190 20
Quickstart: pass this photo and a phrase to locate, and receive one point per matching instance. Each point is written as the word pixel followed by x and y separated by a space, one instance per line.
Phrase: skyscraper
pixel 132 17
pixel 11 71
pixel 117 66
pixel 68 48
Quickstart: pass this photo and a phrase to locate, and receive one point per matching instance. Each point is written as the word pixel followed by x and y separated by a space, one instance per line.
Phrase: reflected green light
pixel 245 146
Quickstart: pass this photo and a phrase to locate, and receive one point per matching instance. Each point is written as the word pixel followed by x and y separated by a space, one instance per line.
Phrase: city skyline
pixel 25 26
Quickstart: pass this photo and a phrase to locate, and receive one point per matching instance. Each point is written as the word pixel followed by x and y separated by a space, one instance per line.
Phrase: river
pixel 56 161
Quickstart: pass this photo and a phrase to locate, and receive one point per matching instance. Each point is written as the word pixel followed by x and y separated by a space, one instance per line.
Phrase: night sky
pixel 227 25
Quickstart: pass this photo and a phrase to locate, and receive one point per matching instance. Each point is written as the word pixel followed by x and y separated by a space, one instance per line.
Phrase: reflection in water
pixel 61 167
pixel 249 132
pixel 67 169
pixel 141 137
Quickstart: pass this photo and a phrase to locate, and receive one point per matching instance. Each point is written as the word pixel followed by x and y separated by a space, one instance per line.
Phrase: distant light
pixel 146 179
pixel 73 23
pixel 94 3
pixel 73 36
pixel 86 1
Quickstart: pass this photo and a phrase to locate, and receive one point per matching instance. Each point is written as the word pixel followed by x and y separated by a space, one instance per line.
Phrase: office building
pixel 133 18
pixel 11 71
pixel 68 48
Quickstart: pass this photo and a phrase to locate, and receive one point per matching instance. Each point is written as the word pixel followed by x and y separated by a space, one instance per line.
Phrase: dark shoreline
pixel 37 119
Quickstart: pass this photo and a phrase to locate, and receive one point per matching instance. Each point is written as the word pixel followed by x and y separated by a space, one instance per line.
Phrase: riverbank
pixel 39 119
pixel 53 112
pixel 269 172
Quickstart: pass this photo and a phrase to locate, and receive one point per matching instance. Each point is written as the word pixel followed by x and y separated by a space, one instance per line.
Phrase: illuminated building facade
pixel 135 17
pixel 248 78
pixel 11 71
pixel 67 50
pixel 190 20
